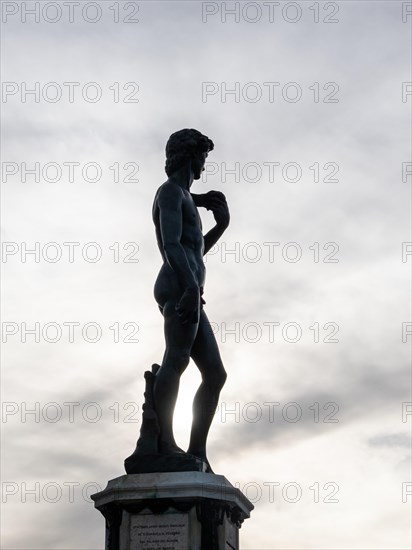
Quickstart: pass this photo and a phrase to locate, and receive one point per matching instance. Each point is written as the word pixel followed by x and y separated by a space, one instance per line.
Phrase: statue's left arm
pixel 216 202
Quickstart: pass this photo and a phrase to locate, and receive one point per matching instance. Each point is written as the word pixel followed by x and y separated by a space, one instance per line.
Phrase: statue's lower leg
pixel 204 408
pixel 166 387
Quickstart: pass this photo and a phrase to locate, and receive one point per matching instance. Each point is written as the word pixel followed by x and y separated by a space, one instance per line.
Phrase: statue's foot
pixel 203 457
pixel 208 466
pixel 170 448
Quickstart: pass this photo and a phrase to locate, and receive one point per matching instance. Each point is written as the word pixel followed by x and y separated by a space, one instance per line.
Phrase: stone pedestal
pixel 172 511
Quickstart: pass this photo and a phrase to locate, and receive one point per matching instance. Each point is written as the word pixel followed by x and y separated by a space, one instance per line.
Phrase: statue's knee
pixel 180 361
pixel 222 378
pixel 217 380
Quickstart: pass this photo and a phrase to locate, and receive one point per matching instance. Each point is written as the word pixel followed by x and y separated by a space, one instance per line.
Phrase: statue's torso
pixel 191 240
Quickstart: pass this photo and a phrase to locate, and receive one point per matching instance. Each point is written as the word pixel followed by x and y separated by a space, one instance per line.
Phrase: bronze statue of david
pixel 178 292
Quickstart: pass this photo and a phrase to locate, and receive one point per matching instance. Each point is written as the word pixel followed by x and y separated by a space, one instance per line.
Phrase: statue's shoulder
pixel 168 191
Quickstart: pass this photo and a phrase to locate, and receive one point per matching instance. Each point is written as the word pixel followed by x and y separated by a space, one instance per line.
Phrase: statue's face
pixel 198 165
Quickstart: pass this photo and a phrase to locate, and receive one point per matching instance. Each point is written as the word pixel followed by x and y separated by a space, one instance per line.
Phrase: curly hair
pixel 183 146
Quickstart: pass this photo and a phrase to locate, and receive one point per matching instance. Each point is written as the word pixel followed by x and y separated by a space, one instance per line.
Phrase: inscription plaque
pixel 159 532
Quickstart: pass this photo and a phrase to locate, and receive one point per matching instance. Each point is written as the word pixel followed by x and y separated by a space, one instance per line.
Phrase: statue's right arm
pixel 169 201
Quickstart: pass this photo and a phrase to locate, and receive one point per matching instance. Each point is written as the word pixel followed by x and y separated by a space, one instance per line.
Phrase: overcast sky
pixel 308 104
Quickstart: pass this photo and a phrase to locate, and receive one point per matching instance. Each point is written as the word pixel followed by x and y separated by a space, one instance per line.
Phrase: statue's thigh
pixel 205 352
pixel 179 337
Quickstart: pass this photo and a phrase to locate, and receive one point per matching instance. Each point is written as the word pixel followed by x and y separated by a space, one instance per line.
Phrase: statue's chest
pixel 190 215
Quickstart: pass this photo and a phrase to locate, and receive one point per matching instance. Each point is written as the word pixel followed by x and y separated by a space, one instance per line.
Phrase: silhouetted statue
pixel 178 291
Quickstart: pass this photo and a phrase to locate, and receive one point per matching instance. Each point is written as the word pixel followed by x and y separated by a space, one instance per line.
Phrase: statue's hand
pixel 212 199
pixel 216 202
pixel 188 306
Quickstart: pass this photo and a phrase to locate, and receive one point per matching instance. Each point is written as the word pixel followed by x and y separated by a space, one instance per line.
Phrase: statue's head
pixel 187 145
